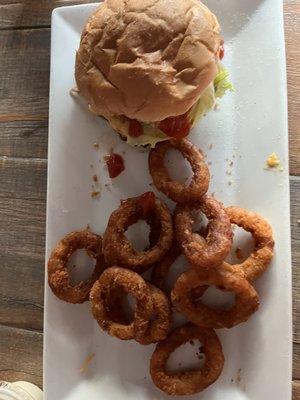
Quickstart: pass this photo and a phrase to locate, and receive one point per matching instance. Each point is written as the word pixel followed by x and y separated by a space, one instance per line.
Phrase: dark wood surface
pixel 24 85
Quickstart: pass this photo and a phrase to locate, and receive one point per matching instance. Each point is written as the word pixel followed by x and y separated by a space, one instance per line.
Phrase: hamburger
pixel 151 68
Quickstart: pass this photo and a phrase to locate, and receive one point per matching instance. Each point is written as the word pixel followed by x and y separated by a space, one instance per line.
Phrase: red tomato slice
pixel 176 127
pixel 135 128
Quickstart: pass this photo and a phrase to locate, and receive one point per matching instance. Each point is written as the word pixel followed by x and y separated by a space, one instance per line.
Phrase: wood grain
pixel 21 355
pixel 296 361
pixel 295 229
pixel 22 240
pixel 296 390
pixel 25 139
pixel 25 178
pixel 292 34
pixel 31 13
pixel 23 100
pixel 24 71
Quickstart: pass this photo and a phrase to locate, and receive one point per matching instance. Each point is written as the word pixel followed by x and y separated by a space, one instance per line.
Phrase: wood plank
pixel 21 355
pixel 295 227
pixel 17 14
pixel 296 390
pixel 25 139
pixel 296 361
pixel 22 248
pixel 24 86
pixel 24 71
pixel 24 178
pixel 292 34
pixel 22 240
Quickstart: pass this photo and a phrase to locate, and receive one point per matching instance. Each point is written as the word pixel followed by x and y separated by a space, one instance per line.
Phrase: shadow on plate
pixel 233 14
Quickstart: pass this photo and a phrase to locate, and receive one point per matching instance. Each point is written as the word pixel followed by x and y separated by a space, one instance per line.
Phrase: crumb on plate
pixel 86 363
pixel 273 161
pixel 95 178
pixel 74 91
pixel 95 193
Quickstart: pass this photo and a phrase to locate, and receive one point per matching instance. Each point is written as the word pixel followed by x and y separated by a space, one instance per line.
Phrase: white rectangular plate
pixel 250 124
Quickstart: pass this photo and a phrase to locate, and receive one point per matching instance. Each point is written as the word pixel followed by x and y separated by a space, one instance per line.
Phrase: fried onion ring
pixel 193 380
pixel 160 323
pixel 175 190
pixel 162 267
pixel 209 252
pixel 117 248
pixel 246 298
pixel 58 275
pixel 130 282
pixel 257 263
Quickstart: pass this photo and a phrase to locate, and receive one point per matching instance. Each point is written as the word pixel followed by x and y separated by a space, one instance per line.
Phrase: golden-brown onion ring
pixel 193 380
pixel 160 323
pixel 117 248
pixel 257 263
pixel 58 275
pixel 115 278
pixel 175 190
pixel 246 298
pixel 208 252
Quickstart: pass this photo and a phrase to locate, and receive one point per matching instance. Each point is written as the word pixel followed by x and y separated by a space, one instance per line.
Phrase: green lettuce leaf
pixel 207 100
pixel 222 83
pixel 205 103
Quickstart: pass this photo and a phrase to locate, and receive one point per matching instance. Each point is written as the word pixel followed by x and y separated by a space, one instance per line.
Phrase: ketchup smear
pixel 115 165
pixel 135 128
pixel 146 204
pixel 176 127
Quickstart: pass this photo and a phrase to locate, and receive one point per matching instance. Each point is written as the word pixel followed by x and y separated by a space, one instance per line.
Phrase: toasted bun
pixel 147 59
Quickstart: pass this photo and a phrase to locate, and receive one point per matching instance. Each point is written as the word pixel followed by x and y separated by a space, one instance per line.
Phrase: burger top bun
pixel 147 59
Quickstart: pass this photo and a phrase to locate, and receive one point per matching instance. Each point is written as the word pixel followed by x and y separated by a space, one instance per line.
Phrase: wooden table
pixel 24 76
